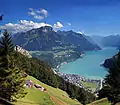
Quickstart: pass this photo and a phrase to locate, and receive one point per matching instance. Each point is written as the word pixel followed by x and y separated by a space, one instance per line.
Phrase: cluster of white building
pixel 76 79
pixel 72 78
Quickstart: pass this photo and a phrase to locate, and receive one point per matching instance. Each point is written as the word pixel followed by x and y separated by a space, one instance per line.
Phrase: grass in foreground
pixel 54 96
pixel 101 102
pixel 35 97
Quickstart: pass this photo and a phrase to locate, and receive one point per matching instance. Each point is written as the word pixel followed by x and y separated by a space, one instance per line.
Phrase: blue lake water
pixel 89 65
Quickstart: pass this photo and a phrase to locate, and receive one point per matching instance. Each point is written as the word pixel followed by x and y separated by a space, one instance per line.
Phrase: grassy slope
pixel 53 96
pixel 101 102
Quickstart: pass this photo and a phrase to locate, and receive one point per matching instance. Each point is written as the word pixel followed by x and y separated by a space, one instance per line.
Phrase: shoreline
pixel 99 66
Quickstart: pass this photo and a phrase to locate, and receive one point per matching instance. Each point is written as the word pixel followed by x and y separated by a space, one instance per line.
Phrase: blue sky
pixel 94 17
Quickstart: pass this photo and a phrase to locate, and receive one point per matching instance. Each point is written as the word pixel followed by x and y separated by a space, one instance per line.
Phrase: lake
pixel 89 65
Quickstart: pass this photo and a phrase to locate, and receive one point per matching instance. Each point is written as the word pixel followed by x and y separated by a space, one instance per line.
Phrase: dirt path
pixel 57 101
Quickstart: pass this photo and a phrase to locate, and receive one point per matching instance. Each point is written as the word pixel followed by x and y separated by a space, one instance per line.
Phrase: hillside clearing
pixel 53 96
pixel 90 85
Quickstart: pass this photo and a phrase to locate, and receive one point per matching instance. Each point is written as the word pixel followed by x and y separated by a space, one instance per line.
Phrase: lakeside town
pixel 76 79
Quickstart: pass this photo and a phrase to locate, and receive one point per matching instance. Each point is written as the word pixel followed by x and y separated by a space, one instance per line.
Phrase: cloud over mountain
pixel 39 14
pixel 23 26
pixel 58 25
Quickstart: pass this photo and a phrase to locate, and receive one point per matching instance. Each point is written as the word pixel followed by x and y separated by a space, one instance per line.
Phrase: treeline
pixel 44 73
pixel 37 69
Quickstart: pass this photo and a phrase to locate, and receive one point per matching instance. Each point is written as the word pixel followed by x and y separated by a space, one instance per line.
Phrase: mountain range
pixel 107 41
pixel 54 47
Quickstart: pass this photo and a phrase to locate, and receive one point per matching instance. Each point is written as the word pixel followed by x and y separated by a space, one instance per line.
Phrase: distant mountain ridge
pixel 77 39
pixel 107 41
pixel 112 40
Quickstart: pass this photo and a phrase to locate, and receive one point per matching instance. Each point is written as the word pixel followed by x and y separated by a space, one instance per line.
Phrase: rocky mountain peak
pixel 46 28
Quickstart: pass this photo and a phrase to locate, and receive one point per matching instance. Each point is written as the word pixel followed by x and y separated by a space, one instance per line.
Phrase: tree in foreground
pixel 11 78
pixel 111 89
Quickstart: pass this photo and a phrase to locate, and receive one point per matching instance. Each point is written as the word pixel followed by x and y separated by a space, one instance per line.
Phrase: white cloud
pixel 69 24
pixel 38 14
pixel 39 17
pixel 58 25
pixel 44 12
pixel 32 13
pixel 23 26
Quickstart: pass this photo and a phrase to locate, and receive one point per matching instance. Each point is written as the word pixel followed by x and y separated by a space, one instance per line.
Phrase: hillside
pixel 53 96
pixel 45 74
pixel 101 102
pixel 54 47
pixel 16 66
pixel 77 39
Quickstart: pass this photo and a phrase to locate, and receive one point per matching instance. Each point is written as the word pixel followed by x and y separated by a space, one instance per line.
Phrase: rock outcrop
pixel 22 51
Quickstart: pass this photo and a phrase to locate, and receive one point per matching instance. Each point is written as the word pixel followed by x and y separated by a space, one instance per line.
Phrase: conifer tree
pixel 111 88
pixel 11 78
